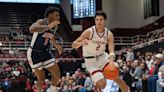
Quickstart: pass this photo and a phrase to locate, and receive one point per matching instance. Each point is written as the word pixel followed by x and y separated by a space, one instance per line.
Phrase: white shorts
pixel 95 66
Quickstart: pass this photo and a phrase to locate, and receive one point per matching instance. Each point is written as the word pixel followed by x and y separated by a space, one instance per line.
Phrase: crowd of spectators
pixel 142 71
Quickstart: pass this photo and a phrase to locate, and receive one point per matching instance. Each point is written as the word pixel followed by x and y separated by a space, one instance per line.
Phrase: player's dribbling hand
pixel 111 57
pixel 111 71
pixel 53 24
pixel 113 65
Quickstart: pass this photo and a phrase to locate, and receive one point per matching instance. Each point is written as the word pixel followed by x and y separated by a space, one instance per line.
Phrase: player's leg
pixel 40 74
pixel 96 73
pixel 96 89
pixel 50 64
pixel 100 82
pixel 34 61
pixel 53 68
pixel 55 73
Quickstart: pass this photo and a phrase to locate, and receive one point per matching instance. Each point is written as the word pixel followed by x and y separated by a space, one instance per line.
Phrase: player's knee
pixel 101 83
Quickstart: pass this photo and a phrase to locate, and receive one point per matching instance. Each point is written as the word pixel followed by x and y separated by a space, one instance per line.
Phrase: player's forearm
pixel 111 48
pixel 54 43
pixel 111 51
pixel 76 44
pixel 38 28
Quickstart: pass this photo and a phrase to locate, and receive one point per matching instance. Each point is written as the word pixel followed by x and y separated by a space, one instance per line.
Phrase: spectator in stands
pixel 119 60
pixel 16 72
pixel 160 81
pixel 137 71
pixel 34 87
pixel 1 70
pixel 149 61
pixel 152 79
pixel 79 82
pixel 6 84
pixel 39 55
pixel 130 55
pixel 88 84
pixel 70 83
pixel 142 72
pixel 46 85
pixel 28 85
pixel 4 64
pixel 126 75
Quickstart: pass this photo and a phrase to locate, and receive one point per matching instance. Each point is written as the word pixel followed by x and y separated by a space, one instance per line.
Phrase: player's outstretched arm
pixel 81 40
pixel 39 26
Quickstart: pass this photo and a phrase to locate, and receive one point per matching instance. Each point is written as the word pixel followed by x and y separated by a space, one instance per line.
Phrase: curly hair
pixel 49 10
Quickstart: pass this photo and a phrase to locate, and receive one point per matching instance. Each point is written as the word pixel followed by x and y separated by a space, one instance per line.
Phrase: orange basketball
pixel 111 71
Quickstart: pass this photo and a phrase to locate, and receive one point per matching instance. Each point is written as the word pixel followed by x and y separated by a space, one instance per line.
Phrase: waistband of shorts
pixel 87 57
pixel 38 50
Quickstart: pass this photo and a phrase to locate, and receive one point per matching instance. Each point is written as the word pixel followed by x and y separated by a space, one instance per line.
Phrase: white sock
pixel 52 89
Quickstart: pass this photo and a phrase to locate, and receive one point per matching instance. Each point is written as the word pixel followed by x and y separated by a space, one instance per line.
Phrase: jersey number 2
pixel 98 47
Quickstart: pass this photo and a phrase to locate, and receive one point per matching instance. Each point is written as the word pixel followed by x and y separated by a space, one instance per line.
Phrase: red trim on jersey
pixel 96 71
pixel 92 34
pixel 98 34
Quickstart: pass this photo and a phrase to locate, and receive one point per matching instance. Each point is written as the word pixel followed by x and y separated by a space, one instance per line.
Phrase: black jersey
pixel 38 41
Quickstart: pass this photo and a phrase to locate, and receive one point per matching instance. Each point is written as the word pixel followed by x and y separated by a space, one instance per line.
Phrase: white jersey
pixel 96 44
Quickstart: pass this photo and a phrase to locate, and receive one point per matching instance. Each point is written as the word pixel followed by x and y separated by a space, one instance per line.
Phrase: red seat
pixel 12 56
pixel 1 55
pixel 6 56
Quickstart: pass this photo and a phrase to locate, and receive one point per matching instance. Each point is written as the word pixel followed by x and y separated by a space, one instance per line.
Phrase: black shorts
pixel 40 60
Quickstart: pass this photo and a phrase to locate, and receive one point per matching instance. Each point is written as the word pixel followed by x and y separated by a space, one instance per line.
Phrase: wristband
pixel 112 55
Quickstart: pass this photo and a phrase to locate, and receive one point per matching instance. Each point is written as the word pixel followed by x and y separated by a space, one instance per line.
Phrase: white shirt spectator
pixel 11 51
pixel 16 73
pixel 130 55
pixel 149 63
pixel 88 84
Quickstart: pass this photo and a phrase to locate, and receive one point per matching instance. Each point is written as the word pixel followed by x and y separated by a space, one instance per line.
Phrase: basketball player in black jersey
pixel 39 56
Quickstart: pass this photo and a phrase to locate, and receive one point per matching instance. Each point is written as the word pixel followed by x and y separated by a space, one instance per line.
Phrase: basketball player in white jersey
pixel 39 56
pixel 94 41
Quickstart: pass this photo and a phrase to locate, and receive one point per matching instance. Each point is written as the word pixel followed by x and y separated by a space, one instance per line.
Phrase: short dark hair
pixel 101 13
pixel 50 9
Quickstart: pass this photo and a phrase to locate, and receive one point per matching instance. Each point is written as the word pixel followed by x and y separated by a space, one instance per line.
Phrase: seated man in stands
pixel 160 81
pixel 151 81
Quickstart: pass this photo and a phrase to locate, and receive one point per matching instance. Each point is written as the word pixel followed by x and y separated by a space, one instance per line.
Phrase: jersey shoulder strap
pixel 91 32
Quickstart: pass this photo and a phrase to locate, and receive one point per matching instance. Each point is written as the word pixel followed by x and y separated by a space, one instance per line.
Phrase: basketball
pixel 111 71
